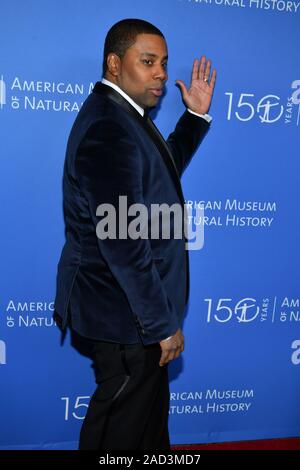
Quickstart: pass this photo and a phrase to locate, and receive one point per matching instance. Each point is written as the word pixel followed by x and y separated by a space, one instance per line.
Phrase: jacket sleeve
pixel 188 134
pixel 108 165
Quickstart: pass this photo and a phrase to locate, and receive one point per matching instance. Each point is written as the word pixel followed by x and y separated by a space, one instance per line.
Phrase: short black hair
pixel 123 34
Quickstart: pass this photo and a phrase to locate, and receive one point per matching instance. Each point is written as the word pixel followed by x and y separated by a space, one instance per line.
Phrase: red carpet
pixel 271 444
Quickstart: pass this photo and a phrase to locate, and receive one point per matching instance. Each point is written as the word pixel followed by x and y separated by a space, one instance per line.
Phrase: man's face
pixel 142 72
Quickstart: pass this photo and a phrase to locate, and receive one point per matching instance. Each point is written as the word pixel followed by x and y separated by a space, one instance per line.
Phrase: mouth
pixel 156 91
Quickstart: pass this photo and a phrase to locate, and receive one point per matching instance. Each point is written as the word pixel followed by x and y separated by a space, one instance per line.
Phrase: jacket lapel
pixel 149 127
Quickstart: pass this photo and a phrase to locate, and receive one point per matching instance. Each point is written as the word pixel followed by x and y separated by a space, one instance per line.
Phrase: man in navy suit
pixel 126 294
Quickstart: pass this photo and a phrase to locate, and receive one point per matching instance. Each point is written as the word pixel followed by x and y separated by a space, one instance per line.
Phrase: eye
pixel 147 61
pixel 165 65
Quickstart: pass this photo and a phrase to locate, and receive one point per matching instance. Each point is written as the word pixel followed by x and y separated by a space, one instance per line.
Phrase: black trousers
pixel 129 409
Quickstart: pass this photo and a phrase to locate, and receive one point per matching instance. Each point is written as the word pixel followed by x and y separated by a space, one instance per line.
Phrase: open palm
pixel 198 97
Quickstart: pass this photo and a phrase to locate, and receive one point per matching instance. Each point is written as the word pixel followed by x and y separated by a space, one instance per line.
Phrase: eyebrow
pixel 151 54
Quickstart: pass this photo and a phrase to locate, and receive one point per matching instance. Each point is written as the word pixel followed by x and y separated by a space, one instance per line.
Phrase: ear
pixel 113 64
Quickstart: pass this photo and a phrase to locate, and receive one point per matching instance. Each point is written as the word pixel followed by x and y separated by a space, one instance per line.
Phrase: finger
pixel 213 79
pixel 172 355
pixel 183 88
pixel 164 358
pixel 177 354
pixel 169 355
pixel 195 70
pixel 207 71
pixel 202 67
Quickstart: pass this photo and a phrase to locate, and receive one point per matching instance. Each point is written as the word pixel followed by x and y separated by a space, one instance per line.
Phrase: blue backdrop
pixel 239 375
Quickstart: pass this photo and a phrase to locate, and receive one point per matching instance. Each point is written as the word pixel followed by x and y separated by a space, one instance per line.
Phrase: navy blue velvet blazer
pixel 122 290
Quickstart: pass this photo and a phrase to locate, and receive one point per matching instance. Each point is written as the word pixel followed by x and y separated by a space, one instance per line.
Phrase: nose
pixel 160 73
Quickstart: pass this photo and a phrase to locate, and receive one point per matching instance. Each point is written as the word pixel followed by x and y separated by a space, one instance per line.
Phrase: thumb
pixel 183 88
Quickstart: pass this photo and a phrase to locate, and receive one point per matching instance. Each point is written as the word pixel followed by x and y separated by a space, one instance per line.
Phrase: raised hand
pixel 198 97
